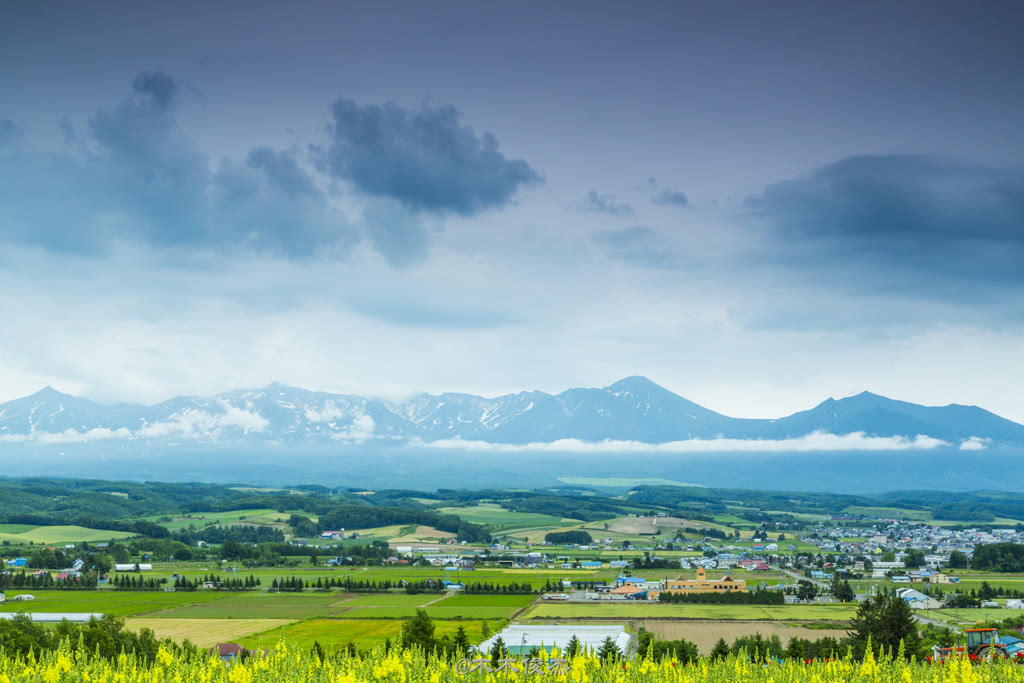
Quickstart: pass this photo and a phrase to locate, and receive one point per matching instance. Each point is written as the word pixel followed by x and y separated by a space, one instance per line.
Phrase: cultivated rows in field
pixel 205 632
pixel 654 610
pixel 706 633
pixel 261 605
pixel 107 601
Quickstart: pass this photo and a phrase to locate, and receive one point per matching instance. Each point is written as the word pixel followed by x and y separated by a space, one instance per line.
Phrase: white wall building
pixel 520 639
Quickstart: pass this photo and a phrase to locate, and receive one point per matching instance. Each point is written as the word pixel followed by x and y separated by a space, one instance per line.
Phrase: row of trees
pixel 737 598
pixel 105 637
pixel 136 582
pixel 24 580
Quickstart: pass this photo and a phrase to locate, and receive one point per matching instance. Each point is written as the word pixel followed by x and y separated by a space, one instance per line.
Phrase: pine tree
pixel 485 630
pixel 461 640
pixel 887 620
pixel 720 650
pixel 608 649
pixel 418 630
pixel 498 650
pixel 573 647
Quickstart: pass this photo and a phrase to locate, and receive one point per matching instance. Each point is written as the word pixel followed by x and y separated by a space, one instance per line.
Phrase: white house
pixel 1015 604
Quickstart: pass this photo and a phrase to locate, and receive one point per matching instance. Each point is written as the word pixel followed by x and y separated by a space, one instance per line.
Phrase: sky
pixel 758 206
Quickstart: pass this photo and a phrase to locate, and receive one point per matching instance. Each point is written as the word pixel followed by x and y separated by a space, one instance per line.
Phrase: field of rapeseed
pixel 286 666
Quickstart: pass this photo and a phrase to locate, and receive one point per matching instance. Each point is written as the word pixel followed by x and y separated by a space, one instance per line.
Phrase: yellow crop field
pixel 205 632
pixel 291 666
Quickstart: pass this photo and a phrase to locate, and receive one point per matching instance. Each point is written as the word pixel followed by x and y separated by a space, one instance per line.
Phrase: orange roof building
pixel 726 584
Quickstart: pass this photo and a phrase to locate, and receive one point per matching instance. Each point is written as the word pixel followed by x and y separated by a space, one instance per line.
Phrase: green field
pixel 438 607
pixel 495 514
pixel 201 519
pixel 489 600
pixel 918 515
pixel 364 633
pixel 22 534
pixel 263 606
pixel 118 603
pixel 653 610
pixel 391 600
pixel 434 611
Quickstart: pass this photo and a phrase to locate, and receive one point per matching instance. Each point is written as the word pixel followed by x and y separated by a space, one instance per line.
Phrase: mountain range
pixel 634 409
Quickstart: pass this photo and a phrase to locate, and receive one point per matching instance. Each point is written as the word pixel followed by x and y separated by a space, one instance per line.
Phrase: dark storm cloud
pixel 136 177
pixel 283 172
pixel 425 158
pixel 670 198
pixel 904 221
pixel 638 245
pixel 396 232
pixel 605 203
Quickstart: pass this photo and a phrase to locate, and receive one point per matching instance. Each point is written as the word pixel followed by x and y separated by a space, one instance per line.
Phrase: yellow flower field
pixel 286 666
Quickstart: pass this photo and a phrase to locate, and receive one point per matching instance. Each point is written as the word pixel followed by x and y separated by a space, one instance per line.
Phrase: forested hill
pixel 139 507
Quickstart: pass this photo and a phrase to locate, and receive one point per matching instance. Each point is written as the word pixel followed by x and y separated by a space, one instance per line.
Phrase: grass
pixel 201 519
pixel 217 610
pixel 205 632
pixel 499 516
pixel 110 602
pixel 652 610
pixel 389 600
pixel 297 599
pixel 333 634
pixel 21 534
pixel 291 606
pixel 488 601
pixel 434 611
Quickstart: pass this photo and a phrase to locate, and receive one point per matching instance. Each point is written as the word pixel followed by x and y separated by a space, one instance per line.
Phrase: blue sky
pixel 757 207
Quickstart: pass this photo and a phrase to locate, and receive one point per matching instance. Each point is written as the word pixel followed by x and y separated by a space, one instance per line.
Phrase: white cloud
pixel 188 423
pixel 196 422
pixel 248 420
pixel 74 436
pixel 13 438
pixel 975 443
pixel 326 414
pixel 815 442
pixel 362 429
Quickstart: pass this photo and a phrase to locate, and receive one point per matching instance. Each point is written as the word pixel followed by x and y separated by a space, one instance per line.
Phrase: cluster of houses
pixel 72 572
pixel 637 588
pixel 901 537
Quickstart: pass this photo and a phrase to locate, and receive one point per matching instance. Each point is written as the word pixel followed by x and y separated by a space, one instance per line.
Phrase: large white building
pixel 521 638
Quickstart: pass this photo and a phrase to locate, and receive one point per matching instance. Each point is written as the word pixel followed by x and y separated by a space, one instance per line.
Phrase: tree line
pixel 734 598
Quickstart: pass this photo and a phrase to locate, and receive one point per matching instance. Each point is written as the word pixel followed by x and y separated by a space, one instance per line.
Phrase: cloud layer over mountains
pixel 633 414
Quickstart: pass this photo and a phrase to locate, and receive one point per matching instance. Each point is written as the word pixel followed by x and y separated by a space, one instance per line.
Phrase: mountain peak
pixel 279 386
pixel 49 392
pixel 635 383
pixel 868 394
